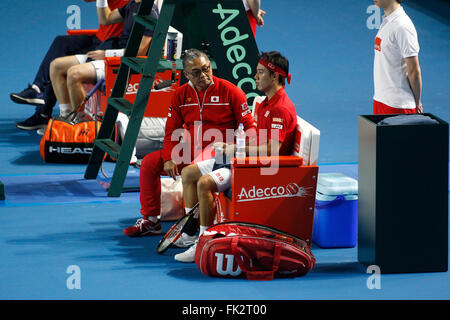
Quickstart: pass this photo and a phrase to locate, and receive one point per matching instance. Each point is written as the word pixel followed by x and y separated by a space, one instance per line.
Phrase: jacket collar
pixel 394 15
pixel 210 85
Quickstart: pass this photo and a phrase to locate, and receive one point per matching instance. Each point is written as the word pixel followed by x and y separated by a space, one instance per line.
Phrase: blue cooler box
pixel 336 213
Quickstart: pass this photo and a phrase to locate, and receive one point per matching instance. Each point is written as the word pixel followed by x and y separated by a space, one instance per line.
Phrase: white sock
pixel 36 88
pixel 153 219
pixel 203 229
pixel 65 109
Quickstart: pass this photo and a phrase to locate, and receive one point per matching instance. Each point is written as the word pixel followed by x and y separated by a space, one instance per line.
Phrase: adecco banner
pixel 225 27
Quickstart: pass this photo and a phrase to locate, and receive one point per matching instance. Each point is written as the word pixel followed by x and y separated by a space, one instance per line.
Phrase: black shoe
pixel 28 96
pixel 36 121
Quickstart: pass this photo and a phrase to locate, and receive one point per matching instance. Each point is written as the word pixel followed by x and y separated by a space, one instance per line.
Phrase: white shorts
pixel 99 65
pixel 222 176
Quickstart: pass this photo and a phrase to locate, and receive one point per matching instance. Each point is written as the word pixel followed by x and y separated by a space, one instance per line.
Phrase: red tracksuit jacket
pixel 221 106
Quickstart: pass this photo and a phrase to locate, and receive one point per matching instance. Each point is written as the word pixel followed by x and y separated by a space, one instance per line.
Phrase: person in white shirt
pixel 397 74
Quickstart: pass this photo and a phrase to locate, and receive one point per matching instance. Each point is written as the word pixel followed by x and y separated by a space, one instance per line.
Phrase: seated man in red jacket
pixel 208 108
pixel 276 122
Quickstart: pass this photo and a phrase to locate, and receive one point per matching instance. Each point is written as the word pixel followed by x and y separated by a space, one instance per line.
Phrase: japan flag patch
pixel 214 98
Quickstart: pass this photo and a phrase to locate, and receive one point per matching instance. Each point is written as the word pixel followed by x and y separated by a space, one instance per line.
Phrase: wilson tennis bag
pixel 238 249
pixel 65 142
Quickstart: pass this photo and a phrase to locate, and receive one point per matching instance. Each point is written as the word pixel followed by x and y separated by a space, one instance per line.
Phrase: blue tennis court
pixel 53 220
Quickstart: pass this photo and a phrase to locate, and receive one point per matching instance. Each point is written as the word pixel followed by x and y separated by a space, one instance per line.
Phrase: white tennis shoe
pixel 188 255
pixel 185 240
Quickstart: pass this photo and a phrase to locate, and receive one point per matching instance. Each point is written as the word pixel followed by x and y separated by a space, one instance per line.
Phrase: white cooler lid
pixel 335 183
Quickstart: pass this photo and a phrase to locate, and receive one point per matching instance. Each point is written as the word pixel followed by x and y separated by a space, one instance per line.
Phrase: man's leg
pixel 58 75
pixel 189 177
pixel 76 77
pixel 42 114
pixel 150 197
pixel 62 46
pixel 207 185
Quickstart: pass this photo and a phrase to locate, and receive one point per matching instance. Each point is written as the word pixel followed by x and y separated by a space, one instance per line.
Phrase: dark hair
pixel 277 59
pixel 192 54
pixel 399 1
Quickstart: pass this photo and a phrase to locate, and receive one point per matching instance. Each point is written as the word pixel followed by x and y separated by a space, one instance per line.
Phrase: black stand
pixel 403 196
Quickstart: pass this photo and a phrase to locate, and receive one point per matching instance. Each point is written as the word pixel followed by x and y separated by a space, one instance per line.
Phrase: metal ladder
pixel 116 102
pixel 200 22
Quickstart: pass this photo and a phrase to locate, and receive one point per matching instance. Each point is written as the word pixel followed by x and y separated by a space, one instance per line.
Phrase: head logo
pixel 288 191
pixel 83 132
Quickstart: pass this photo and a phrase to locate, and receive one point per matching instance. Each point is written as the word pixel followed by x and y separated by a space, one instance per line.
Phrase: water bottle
pixel 171 46
pixel 240 142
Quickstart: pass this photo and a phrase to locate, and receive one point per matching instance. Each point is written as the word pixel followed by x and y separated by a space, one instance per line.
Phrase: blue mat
pixel 45 189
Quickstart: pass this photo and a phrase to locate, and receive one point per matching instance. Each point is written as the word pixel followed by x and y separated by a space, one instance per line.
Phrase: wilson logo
pixel 288 191
pixel 228 270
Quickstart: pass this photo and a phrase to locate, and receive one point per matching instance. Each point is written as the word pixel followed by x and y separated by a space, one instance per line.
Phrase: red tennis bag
pixel 238 249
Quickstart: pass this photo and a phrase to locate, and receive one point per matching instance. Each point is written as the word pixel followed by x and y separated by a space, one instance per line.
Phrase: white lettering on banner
pixel 291 190
pixel 229 269
pixel 133 87
pixel 236 53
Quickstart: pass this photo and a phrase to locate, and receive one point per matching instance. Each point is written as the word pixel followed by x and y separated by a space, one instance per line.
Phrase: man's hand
pixel 419 108
pixel 171 169
pixel 259 17
pixel 96 55
pixel 224 148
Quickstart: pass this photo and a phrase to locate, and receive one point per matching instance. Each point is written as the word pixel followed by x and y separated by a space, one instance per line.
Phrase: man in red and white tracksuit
pixel 276 122
pixel 205 107
pixel 397 75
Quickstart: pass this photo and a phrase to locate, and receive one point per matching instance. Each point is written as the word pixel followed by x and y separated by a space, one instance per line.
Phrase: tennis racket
pixel 176 230
pixel 72 116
